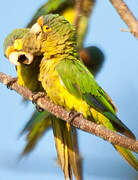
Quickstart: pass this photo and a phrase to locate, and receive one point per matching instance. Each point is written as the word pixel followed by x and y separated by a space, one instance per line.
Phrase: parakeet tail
pixel 35 133
pixel 66 152
pixel 119 125
pixel 128 156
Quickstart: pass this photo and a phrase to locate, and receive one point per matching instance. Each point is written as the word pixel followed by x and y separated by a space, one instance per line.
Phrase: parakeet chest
pixel 28 76
pixel 57 92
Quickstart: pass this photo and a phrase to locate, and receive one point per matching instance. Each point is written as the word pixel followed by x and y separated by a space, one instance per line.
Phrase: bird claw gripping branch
pixel 73 115
pixel 35 97
pixel 10 83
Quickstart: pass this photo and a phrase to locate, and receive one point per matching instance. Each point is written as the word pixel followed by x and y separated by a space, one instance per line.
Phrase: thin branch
pixel 126 15
pixel 76 120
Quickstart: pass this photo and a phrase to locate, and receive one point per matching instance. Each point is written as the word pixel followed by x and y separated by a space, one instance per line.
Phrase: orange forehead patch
pixel 40 20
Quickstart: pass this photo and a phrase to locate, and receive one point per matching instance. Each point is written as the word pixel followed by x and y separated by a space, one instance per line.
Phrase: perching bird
pixel 92 56
pixel 41 122
pixel 68 153
pixel 66 8
pixel 37 126
pixel 66 80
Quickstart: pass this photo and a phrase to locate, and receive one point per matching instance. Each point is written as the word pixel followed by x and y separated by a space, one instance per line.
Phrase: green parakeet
pixel 66 8
pixel 89 55
pixel 67 81
pixel 37 126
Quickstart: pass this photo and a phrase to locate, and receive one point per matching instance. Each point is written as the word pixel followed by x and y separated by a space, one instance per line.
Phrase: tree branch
pixel 76 120
pixel 126 15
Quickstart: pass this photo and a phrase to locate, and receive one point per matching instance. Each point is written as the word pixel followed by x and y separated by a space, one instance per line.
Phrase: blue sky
pixel 118 77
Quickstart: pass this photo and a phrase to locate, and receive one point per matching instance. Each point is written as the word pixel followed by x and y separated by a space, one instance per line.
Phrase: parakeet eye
pixel 47 28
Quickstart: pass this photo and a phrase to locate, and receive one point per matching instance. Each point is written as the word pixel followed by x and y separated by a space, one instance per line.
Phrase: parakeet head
pixel 50 36
pixel 54 25
pixel 13 46
pixel 54 35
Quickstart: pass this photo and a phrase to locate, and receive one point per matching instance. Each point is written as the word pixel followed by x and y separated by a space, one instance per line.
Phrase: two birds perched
pixel 46 57
pixel 41 122
pixel 63 76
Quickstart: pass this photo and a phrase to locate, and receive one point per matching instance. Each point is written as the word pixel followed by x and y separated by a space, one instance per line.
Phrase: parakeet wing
pixel 81 83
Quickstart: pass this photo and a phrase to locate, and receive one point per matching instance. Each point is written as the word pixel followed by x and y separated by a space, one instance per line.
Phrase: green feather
pixel 16 34
pixel 35 118
pixel 81 83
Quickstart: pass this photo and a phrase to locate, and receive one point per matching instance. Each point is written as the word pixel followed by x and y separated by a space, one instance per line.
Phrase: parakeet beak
pixel 25 58
pixel 37 27
pixel 18 58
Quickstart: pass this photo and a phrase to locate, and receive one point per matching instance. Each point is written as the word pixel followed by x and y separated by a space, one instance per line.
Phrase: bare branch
pixel 126 15
pixel 78 120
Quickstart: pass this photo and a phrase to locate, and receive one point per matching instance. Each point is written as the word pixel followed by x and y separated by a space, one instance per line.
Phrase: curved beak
pixel 36 28
pixel 18 58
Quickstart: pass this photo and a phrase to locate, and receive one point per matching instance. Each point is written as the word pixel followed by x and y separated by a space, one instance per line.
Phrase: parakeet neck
pixel 60 49
pixel 28 75
pixel 55 54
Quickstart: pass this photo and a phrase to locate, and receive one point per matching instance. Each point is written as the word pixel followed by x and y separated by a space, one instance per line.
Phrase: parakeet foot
pixel 73 115
pixel 35 97
pixel 38 108
pixel 10 83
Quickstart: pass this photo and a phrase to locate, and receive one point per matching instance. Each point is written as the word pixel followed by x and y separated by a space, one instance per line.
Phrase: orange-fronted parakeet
pixel 93 57
pixel 90 56
pixel 67 81
pixel 67 151
pixel 28 76
pixel 66 8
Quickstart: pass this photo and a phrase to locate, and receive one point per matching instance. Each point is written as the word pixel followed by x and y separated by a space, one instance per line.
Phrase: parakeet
pixel 37 126
pixel 90 55
pixel 65 78
pixel 66 8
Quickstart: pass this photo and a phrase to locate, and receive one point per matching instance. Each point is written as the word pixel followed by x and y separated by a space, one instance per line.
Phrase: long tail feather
pixel 76 146
pixel 36 133
pixel 66 151
pixel 34 119
pixel 128 156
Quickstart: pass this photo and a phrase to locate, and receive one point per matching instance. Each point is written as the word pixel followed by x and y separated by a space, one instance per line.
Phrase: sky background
pixel 118 78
